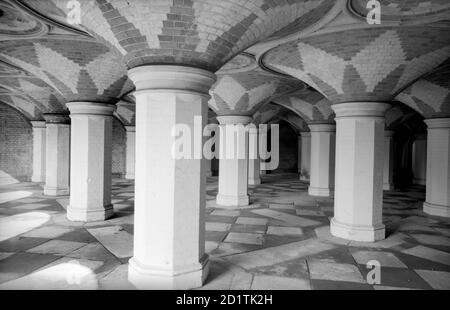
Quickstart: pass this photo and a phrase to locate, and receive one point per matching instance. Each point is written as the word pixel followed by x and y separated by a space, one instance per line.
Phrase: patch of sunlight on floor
pixel 14 225
pixel 6 179
pixel 10 196
pixel 66 276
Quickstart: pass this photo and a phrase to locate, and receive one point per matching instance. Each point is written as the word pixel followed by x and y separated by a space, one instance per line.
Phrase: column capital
pixel 437 123
pixel 91 108
pixel 130 128
pixel 322 127
pixel 360 109
pixel 55 118
pixel 38 124
pixel 305 134
pixel 234 120
pixel 160 78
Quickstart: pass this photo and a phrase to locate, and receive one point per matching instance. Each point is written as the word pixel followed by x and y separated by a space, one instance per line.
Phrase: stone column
pixel 305 156
pixel 57 163
pixel 358 198
pixel 91 161
pixel 233 169
pixel 322 159
pixel 169 225
pixel 131 151
pixel 254 177
pixel 388 171
pixel 438 168
pixel 299 155
pixel 419 159
pixel 39 138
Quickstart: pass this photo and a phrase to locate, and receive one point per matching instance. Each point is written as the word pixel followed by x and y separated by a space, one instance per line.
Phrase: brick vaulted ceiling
pixel 200 33
pixel 363 64
pixel 430 96
pixel 261 50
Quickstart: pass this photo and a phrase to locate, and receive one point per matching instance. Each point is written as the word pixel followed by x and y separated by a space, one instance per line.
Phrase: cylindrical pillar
pixel 322 159
pixel 130 151
pixel 358 198
pixel 438 168
pixel 91 161
pixel 169 226
pixel 57 154
pixel 305 172
pixel 233 163
pixel 39 145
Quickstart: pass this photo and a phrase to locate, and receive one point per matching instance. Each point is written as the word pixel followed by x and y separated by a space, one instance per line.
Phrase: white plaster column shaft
pixel 131 153
pixel 388 170
pixel 39 146
pixel 438 168
pixel 419 159
pixel 322 159
pixel 305 173
pixel 254 177
pixel 169 227
pixel 91 161
pixel 358 198
pixel 299 155
pixel 233 170
pixel 57 154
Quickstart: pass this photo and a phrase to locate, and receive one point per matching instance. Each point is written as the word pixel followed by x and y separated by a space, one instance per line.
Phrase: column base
pixel 37 179
pixel 84 215
pixel 209 174
pixel 233 201
pixel 419 181
pixel 254 181
pixel 153 278
pixel 51 191
pixel 357 233
pixel 303 178
pixel 436 210
pixel 388 187
pixel 129 176
pixel 263 172
pixel 320 191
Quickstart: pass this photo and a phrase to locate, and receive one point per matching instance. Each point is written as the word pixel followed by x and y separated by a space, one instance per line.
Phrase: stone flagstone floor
pixel 281 241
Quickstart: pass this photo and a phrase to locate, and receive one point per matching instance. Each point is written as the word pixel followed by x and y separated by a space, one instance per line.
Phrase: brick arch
pixel 308 105
pixel 372 64
pixel 244 93
pixel 75 70
pixel 430 96
pixel 199 33
pixel 404 10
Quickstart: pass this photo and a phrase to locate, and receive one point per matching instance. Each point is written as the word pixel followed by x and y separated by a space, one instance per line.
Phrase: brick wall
pixel 16 144
pixel 118 149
